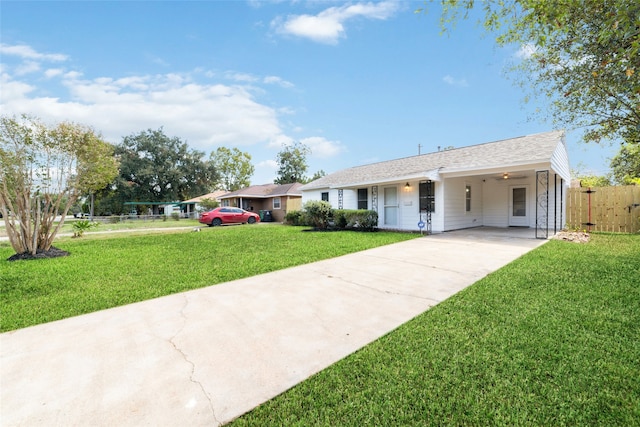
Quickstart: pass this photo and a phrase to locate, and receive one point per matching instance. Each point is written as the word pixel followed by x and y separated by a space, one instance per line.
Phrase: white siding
pixel 349 199
pixel 455 214
pixel 315 195
pixel 496 200
pixel 560 162
pixel 409 214
pixel 495 203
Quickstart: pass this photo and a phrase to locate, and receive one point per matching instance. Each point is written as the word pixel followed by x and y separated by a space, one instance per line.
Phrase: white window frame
pixel 277 205
pixel 365 200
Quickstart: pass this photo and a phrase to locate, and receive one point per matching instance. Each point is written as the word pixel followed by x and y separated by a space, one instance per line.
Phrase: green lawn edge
pixel 550 339
pixel 110 270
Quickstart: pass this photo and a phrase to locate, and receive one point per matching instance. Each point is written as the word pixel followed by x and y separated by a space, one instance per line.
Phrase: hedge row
pixel 320 216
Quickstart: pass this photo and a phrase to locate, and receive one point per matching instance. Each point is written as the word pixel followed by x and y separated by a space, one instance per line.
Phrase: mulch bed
pixel 573 236
pixel 53 252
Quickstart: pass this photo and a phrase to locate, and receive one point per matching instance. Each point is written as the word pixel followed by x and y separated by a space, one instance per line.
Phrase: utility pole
pixel 419 147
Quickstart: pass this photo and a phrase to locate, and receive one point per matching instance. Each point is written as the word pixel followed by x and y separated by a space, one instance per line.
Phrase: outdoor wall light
pixel 407 187
pixel 505 175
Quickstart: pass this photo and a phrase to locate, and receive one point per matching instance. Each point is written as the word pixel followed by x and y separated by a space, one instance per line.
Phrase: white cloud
pixel 204 115
pixel 323 148
pixel 268 164
pixel 280 141
pixel 278 81
pixel 27 67
pixel 203 111
pixel 265 172
pixel 27 52
pixel 12 89
pixel 455 82
pixel 240 77
pixel 328 25
pixel 53 72
pixel 526 51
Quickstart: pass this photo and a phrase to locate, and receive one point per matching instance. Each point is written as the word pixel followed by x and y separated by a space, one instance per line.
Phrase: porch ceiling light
pixel 505 175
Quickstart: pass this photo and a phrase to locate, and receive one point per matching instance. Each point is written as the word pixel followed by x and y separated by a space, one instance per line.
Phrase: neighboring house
pixel 518 182
pixel 191 208
pixel 278 199
pixel 151 208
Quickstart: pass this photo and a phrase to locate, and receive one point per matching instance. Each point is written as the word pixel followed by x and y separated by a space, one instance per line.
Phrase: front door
pixel 390 201
pixel 518 206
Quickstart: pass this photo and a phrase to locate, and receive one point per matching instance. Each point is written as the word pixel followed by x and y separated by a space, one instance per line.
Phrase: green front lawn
pixel 126 224
pixel 105 271
pixel 551 339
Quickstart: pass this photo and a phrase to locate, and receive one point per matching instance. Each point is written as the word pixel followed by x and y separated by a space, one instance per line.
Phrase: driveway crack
pixel 382 291
pixel 435 267
pixel 190 362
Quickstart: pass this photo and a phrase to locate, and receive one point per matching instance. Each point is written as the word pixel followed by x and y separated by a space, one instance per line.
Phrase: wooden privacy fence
pixel 610 209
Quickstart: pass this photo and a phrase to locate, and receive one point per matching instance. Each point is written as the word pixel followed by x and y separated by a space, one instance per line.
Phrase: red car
pixel 228 215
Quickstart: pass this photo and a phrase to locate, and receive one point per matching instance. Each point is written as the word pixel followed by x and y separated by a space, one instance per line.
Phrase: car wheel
pixel 216 222
pixel 251 220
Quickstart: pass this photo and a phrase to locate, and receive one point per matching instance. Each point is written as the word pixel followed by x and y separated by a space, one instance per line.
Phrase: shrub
pixel 175 216
pixel 114 219
pixel 295 218
pixel 365 220
pixel 318 213
pixel 82 225
pixel 340 218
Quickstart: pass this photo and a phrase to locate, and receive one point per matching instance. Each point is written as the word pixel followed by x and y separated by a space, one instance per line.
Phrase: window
pixel 324 196
pixel 225 202
pixel 427 196
pixel 276 203
pixel 468 198
pixel 363 202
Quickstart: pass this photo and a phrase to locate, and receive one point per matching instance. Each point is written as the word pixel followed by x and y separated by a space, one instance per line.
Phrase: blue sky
pixel 357 82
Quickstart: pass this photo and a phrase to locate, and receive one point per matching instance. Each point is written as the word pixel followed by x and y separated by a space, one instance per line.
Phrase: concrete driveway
pixel 207 356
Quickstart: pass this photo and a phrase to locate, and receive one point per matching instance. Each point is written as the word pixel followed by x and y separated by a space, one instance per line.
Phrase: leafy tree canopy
pixel 158 168
pixel 292 163
pixel 593 180
pixel 208 204
pixel 234 168
pixel 317 175
pixel 43 172
pixel 583 55
pixel 626 165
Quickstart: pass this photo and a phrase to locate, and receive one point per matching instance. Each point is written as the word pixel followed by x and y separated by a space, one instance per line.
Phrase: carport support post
pixel 542 204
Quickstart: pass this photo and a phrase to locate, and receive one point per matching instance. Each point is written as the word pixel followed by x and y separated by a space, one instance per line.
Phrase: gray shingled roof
pixel 528 149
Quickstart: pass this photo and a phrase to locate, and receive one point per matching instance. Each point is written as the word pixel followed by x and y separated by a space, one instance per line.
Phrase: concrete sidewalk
pixel 207 356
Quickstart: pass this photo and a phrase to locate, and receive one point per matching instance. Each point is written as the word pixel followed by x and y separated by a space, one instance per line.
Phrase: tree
pixel 583 55
pixel 43 172
pixel 208 204
pixel 626 165
pixel 234 168
pixel 292 163
pixel 157 168
pixel 317 175
pixel 593 180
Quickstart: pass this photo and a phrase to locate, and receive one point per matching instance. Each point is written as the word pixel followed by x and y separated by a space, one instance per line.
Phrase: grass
pixel 551 339
pixel 108 270
pixel 127 224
